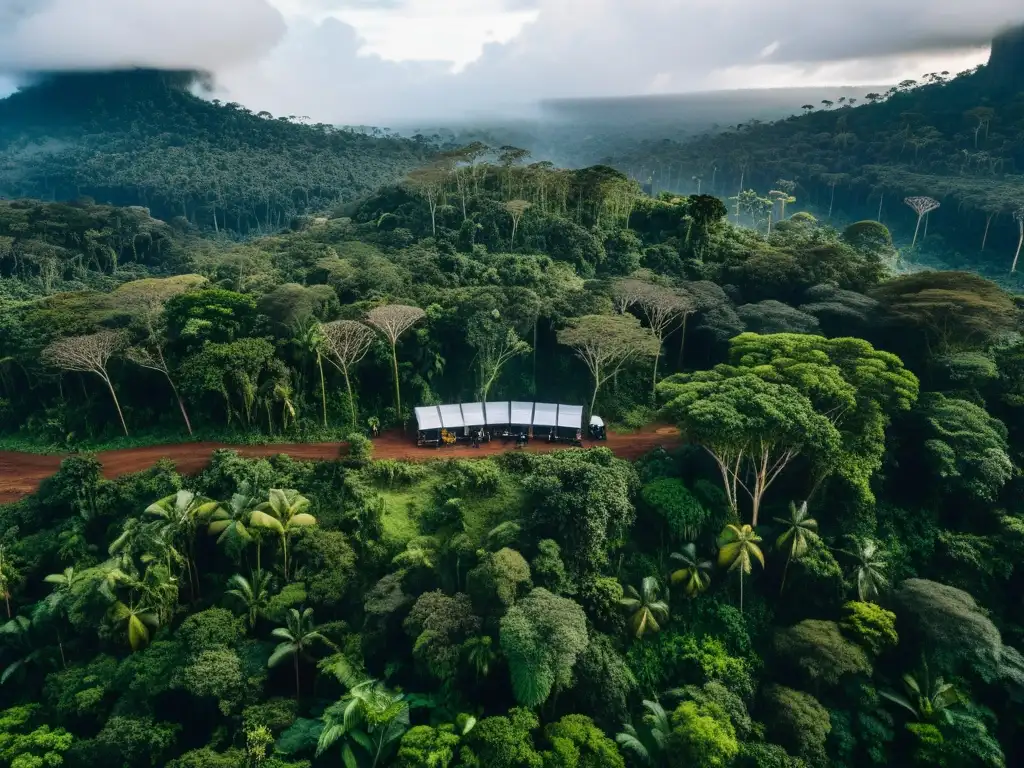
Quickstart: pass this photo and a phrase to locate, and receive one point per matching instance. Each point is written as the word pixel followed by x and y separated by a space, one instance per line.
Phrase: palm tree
pixel 800 530
pixel 159 590
pixel 647 745
pixel 229 520
pixel 368 714
pixel 22 634
pixel 56 601
pixel 693 572
pixel 310 339
pixel 296 638
pixel 283 513
pixel 480 654
pixel 140 619
pixel 418 553
pixel 253 594
pixel 737 551
pixel 926 699
pixel 283 394
pixel 646 609
pixel 869 568
pixel 179 515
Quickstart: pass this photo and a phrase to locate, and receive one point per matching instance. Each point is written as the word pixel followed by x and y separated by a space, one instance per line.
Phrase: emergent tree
pixel 346 343
pixel 393 320
pixel 88 354
pixel 605 343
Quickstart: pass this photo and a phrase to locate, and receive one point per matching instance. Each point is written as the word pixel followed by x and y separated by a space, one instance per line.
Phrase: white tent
pixel 427 417
pixel 473 414
pixel 545 415
pixel 451 416
pixel 521 413
pixel 570 416
pixel 497 413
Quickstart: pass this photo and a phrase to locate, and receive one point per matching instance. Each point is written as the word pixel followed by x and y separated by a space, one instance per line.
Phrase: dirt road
pixel 21 473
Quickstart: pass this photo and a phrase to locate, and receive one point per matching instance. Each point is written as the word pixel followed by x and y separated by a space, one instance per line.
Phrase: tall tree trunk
pixel 832 201
pixel 323 385
pixel 351 400
pixel 742 173
pixel 398 394
pixel 741 590
pixel 916 229
pixel 880 201
pixel 593 398
pixel 298 693
pixel 682 341
pixel 984 238
pixel 925 235
pixel 1019 244
pixel 181 403
pixel 117 405
pixel 654 378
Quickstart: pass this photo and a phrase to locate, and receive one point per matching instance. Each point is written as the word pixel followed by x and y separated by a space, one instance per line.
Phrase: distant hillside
pixel 580 132
pixel 142 138
pixel 958 139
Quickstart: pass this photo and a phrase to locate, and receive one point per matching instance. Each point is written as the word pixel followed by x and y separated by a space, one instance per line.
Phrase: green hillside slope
pixel 142 138
pixel 958 139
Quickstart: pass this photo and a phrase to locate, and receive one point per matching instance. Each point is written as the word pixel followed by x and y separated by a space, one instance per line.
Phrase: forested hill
pixel 958 139
pixel 143 138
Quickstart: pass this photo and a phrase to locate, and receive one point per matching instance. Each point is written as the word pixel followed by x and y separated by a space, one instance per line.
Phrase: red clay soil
pixel 21 473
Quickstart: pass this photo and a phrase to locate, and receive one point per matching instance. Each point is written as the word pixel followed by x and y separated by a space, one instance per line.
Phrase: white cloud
pixel 421 30
pixel 106 34
pixel 379 60
pixel 888 69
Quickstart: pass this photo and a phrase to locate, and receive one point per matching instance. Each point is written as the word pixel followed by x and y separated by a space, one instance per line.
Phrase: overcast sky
pixel 379 60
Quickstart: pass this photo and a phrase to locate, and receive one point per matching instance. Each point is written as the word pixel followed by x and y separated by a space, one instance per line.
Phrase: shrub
pixel 360 447
pixel 395 473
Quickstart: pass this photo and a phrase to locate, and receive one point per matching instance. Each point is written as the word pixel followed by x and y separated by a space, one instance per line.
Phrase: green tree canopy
pixel 542 636
pixel 753 428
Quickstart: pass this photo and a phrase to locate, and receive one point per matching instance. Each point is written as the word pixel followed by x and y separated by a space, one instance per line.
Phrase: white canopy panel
pixel 427 417
pixel 596 421
pixel 473 414
pixel 521 413
pixel 545 415
pixel 497 413
pixel 451 416
pixel 570 416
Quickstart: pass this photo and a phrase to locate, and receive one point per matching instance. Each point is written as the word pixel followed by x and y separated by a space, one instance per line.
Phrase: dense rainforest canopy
pixel 824 571
pixel 142 138
pixel 956 138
